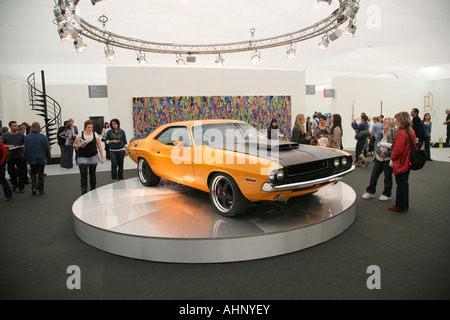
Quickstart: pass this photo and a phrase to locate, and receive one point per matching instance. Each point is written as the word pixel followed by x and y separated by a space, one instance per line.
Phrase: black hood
pixel 285 153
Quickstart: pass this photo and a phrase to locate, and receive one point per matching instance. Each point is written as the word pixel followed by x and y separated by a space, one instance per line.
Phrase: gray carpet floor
pixel 412 250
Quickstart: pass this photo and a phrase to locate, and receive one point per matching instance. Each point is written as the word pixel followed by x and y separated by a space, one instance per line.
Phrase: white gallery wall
pixel 124 83
pixel 394 95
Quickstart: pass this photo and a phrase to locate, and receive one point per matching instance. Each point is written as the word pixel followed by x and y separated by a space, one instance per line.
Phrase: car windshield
pixel 224 133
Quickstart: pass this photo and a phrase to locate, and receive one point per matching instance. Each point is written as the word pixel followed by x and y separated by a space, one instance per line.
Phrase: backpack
pixel 416 157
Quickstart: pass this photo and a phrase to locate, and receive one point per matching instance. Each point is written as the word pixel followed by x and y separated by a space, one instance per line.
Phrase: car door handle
pixel 159 151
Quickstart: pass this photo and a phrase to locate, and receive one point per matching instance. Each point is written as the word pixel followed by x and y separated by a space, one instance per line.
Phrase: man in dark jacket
pixel 17 165
pixel 62 146
pixel 417 126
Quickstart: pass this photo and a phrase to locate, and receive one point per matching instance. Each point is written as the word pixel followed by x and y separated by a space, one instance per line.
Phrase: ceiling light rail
pixel 65 14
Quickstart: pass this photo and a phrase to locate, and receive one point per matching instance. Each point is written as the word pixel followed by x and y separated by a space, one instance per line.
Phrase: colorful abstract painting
pixel 151 112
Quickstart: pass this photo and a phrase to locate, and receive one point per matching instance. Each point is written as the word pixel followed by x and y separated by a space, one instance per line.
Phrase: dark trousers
pixel 359 147
pixel 69 156
pixel 117 164
pixel 426 141
pixel 378 168
pixel 63 158
pixel 84 170
pixel 4 182
pixel 37 177
pixel 402 196
pixel 17 170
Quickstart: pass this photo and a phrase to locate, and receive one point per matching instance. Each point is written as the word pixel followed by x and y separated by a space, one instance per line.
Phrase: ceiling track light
pixel 256 57
pixel 350 30
pixel 79 45
pixel 180 61
pixel 219 61
pixel 324 43
pixel 351 11
pixel 64 33
pixel 109 53
pixel 290 53
pixel 59 15
pixel 141 59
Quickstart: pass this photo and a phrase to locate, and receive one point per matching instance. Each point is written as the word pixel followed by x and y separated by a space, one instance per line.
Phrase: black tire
pixel 146 175
pixel 226 197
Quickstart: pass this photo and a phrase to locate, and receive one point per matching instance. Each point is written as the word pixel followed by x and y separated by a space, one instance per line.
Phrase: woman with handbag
pixel 361 136
pixel 401 149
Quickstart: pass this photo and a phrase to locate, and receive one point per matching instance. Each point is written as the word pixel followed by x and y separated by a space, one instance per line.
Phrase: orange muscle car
pixel 235 163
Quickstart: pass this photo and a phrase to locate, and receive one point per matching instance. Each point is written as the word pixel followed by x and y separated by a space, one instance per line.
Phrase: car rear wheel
pixel 146 175
pixel 226 197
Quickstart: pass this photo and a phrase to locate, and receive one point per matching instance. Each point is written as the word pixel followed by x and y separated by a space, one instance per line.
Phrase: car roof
pixel 194 122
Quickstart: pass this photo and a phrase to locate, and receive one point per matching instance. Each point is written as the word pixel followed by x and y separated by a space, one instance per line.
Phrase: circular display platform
pixel 174 223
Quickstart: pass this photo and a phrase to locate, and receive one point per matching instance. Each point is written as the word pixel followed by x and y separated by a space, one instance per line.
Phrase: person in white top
pixel 383 150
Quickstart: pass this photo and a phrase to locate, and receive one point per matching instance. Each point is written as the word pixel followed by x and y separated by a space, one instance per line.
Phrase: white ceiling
pixel 395 38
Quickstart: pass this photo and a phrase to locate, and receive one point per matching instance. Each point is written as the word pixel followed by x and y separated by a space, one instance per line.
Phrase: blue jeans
pixel 117 164
pixel 378 168
pixel 69 154
pixel 402 197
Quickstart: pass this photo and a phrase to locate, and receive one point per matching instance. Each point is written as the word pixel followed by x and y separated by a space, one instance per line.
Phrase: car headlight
pixel 336 162
pixel 280 174
pixel 276 174
pixel 344 161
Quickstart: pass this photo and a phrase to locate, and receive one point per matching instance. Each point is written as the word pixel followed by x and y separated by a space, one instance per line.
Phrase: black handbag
pixel 418 158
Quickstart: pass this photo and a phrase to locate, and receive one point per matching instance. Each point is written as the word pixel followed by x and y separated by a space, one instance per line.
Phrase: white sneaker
pixel 384 198
pixel 367 195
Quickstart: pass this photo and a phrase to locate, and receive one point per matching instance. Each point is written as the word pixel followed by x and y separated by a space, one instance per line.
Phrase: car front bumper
pixel 268 187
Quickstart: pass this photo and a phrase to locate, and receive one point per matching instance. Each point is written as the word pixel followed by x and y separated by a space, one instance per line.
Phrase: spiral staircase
pixel 46 107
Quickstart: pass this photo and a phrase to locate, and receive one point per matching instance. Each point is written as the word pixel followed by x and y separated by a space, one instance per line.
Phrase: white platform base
pixel 172 223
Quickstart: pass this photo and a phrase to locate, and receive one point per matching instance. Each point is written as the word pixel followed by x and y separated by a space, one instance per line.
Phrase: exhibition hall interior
pixel 193 150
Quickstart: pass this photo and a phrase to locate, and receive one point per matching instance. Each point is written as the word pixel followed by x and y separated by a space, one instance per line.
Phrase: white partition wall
pixel 367 95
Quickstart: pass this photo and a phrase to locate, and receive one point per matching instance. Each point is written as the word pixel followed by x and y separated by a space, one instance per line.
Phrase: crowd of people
pixel 387 140
pixel 24 151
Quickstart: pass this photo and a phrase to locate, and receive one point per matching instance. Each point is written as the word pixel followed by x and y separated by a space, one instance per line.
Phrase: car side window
pixel 172 134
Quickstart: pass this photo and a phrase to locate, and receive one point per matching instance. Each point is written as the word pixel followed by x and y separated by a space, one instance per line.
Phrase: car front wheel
pixel 226 197
pixel 145 173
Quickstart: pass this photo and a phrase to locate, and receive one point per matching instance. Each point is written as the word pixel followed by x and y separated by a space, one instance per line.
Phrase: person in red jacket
pixel 3 181
pixel 400 158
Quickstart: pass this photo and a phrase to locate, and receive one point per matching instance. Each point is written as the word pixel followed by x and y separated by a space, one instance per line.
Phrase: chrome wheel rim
pixel 143 170
pixel 222 193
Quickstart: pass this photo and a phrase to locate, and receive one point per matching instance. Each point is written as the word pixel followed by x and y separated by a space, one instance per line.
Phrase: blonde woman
pixel 400 158
pixel 298 132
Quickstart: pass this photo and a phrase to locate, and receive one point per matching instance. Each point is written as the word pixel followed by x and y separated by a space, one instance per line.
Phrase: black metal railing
pixel 46 107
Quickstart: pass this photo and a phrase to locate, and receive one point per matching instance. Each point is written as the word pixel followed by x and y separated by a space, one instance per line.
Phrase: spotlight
pixel 352 10
pixel 324 43
pixel 181 62
pixel 59 15
pixel 141 59
pixel 64 33
pixel 219 61
pixel 291 52
pixel 109 53
pixel 256 57
pixel 79 45
pixel 350 30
